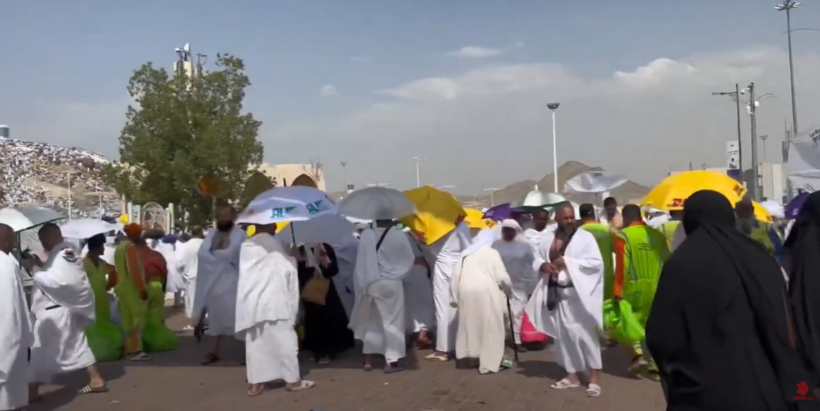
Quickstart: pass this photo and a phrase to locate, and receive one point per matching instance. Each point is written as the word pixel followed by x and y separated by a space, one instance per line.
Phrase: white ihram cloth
pixel 346 251
pixel 481 287
pixel 378 314
pixel 578 317
pixel 418 291
pixel 175 282
pixel 448 252
pixel 266 307
pixel 518 259
pixel 216 284
pixel 63 304
pixel 16 337
pixel 187 260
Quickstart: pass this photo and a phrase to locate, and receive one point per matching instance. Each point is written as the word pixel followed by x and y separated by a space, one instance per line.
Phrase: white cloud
pixel 476 52
pixel 329 91
pixel 490 126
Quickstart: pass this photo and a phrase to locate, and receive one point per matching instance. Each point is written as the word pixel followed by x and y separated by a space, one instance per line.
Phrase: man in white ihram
pixel 518 260
pixel 188 266
pixel 384 259
pixel 448 253
pixel 63 303
pixel 217 279
pixel 570 262
pixel 267 304
pixel 16 335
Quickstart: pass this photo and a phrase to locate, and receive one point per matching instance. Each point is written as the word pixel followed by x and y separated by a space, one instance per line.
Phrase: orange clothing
pixel 147 262
pixel 618 248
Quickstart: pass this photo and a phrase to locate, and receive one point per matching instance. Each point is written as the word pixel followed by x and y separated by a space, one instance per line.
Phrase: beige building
pixel 295 174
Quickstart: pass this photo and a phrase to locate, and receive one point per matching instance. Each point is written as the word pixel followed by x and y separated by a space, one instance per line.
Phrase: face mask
pixel 224 225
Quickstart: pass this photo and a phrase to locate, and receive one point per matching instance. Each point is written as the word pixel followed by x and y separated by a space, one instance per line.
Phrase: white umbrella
pixel 87 228
pixel 23 218
pixel 376 203
pixel 595 182
pixel 329 228
pixel 774 208
pixel 284 204
pixel 539 199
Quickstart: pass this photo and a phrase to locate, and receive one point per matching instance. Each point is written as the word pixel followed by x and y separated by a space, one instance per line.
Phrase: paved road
pixel 176 381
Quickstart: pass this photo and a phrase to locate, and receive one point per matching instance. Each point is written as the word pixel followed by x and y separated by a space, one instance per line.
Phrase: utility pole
pixel 418 175
pixel 787 6
pixel 736 97
pixel 344 175
pixel 752 108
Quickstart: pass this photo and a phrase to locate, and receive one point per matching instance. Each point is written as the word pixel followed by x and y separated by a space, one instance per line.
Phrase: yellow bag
pixel 316 289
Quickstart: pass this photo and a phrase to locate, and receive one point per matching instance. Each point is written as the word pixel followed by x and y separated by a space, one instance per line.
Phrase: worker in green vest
pixel 603 236
pixel 668 228
pixel 640 252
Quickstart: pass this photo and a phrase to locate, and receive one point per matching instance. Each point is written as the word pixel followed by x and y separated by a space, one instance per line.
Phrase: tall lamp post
pixel 418 175
pixel 736 96
pixel 787 6
pixel 763 141
pixel 553 107
pixel 492 191
pixel 344 176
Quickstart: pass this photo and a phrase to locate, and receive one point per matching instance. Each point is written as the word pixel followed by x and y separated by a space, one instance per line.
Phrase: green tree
pixel 184 128
pixel 256 184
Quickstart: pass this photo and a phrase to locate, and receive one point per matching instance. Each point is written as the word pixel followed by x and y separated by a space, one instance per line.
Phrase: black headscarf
pixel 803 248
pixel 720 319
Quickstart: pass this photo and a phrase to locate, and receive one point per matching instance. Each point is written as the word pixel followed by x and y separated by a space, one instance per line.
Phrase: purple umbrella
pixel 501 212
pixel 792 209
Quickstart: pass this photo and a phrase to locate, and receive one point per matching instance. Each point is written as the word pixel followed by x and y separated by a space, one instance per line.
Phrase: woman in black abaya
pixel 326 332
pixel 803 264
pixel 720 329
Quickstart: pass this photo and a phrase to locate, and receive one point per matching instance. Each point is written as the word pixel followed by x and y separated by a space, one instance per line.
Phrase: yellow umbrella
pixel 475 219
pixel 674 190
pixel 437 213
pixel 761 213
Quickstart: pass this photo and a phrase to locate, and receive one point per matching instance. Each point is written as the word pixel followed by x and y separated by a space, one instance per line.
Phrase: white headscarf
pixel 485 238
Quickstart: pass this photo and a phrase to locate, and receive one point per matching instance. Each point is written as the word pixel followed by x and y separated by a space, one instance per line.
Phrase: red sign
pixel 676 202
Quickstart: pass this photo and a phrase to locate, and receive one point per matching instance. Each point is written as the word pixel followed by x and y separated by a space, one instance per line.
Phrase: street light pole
pixel 418 175
pixel 553 107
pixel 69 197
pixel 344 176
pixel 763 140
pixel 752 110
pixel 736 96
pixel 492 191
pixel 787 6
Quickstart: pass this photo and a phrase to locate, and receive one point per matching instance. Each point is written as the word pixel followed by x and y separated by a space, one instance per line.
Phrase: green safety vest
pixel 603 236
pixel 644 255
pixel 759 233
pixel 668 230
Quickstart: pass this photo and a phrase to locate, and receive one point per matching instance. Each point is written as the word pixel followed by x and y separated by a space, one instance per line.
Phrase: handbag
pixel 316 288
pixel 552 283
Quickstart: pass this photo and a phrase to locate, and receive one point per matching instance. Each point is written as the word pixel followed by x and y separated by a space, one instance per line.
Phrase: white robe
pixel 480 288
pixel 576 321
pixel 63 304
pixel 188 264
pixel 267 304
pixel 378 314
pixel 419 306
pixel 518 260
pixel 175 282
pixel 16 337
pixel 216 285
pixel 346 251
pixel 447 251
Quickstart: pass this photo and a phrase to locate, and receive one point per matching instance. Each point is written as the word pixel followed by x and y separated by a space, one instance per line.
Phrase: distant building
pixel 295 175
pixel 5 132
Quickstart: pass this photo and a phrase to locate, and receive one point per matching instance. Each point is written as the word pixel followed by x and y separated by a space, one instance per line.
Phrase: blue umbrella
pixel 792 209
pixel 501 212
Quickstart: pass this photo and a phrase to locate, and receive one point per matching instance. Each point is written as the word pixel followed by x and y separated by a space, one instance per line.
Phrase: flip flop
pixel 92 390
pixel 564 384
pixel 262 389
pixel 303 385
pixel 594 390
pixel 141 357
pixel 436 357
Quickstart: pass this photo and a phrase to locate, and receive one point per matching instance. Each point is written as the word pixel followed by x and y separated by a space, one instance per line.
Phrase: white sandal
pixel 564 384
pixel 594 390
pixel 303 385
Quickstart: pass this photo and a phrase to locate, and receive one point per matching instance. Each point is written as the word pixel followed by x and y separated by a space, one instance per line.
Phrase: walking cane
pixel 512 329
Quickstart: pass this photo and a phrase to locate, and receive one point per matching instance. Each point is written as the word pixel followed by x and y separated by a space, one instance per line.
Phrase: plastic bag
pixel 157 337
pixel 621 323
pixel 529 334
pixel 105 340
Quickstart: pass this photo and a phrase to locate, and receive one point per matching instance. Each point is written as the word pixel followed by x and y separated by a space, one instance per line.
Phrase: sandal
pixel 392 369
pixel 324 361
pixel 303 385
pixel 210 359
pixel 367 367
pixel 141 357
pixel 436 357
pixel 594 390
pixel 262 388
pixel 564 384
pixel 92 390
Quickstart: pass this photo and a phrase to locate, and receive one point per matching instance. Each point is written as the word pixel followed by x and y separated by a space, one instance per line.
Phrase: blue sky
pixel 67 64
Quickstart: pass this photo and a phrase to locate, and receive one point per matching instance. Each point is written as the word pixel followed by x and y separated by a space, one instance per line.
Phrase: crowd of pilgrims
pixel 730 310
